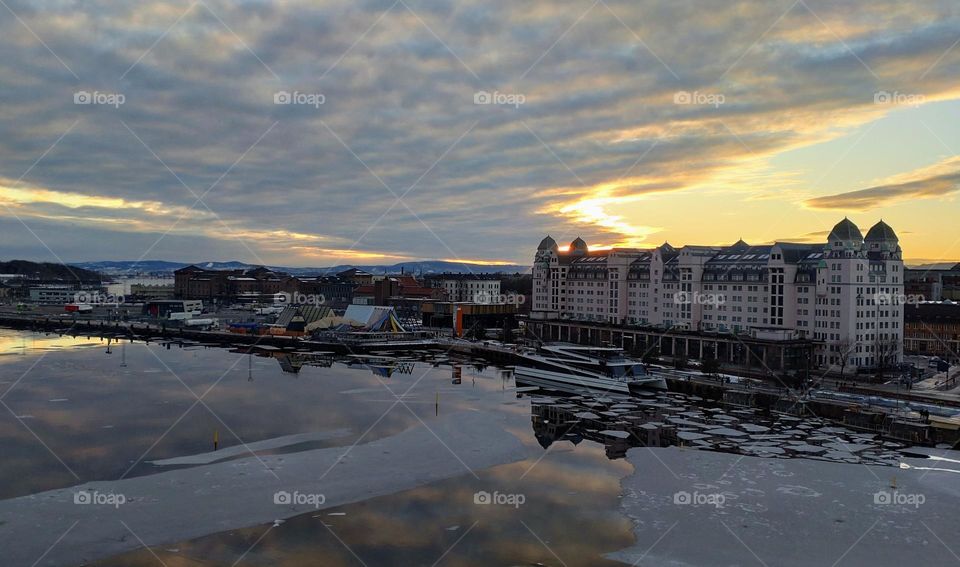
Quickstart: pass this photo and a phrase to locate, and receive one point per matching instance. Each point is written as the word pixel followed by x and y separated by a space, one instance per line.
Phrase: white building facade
pixel 471 289
pixel 847 294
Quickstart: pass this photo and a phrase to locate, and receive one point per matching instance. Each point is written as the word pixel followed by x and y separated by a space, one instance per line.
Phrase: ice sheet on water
pixel 784 512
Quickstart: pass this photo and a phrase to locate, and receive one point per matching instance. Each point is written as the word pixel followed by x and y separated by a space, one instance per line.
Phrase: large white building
pixel 469 288
pixel 847 294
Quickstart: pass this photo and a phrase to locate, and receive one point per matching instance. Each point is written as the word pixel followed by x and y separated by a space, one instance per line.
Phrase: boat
pixel 575 368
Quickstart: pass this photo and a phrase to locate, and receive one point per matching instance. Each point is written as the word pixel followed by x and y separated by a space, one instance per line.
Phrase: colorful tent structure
pixel 305 317
pixel 373 318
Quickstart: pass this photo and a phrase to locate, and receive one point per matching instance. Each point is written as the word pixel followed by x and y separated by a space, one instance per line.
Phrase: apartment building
pixel 847 293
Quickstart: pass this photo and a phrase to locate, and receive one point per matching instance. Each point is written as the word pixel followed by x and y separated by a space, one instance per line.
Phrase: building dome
pixel 882 238
pixel 845 233
pixel 881 232
pixel 548 244
pixel 579 246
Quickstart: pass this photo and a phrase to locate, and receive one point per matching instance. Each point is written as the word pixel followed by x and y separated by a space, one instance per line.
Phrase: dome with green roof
pixel 579 246
pixel 881 232
pixel 548 243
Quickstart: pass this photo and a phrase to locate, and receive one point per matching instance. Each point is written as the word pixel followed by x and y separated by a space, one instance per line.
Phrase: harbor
pixel 146 331
pixel 911 417
pixel 455 398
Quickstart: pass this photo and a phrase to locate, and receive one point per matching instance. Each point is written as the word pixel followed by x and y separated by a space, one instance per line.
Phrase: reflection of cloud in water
pixel 414 527
pixel 13 343
pixel 115 414
pixel 142 400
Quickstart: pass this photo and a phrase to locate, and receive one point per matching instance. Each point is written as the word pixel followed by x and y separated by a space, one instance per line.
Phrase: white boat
pixel 574 368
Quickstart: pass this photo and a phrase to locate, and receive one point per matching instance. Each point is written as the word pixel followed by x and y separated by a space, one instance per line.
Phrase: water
pixel 82 409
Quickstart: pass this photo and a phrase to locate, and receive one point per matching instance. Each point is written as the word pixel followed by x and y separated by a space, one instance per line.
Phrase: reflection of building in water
pixel 292 362
pixel 617 424
pixel 388 370
pixel 381 366
pixel 663 419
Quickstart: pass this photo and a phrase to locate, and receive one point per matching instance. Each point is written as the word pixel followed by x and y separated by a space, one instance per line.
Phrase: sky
pixel 370 132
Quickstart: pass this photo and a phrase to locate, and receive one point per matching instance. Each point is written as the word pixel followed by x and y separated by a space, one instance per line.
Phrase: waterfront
pixel 400 479
pixel 100 417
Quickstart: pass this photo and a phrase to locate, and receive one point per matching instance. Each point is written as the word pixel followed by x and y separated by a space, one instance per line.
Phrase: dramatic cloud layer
pixel 318 132
pixel 938 181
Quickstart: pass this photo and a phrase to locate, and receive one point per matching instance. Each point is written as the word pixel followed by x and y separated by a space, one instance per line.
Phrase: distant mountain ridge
pixel 935 266
pixel 162 267
pixel 48 271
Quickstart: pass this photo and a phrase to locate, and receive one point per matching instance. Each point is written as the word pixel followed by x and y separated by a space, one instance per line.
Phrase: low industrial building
pixel 933 284
pixel 151 291
pixel 262 285
pixel 933 329
pixel 465 315
pixel 391 288
pixel 221 285
pixel 173 308
pixel 763 352
pixel 62 294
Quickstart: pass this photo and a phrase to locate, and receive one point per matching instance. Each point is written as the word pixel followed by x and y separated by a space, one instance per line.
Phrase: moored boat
pixel 575 368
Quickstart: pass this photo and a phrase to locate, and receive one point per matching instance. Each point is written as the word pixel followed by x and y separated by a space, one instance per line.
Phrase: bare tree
pixel 885 352
pixel 845 348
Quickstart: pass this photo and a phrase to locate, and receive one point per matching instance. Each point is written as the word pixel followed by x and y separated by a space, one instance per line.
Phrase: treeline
pixel 516 283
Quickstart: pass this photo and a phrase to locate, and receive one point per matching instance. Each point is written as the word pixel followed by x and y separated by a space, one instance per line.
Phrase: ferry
pixel 571 367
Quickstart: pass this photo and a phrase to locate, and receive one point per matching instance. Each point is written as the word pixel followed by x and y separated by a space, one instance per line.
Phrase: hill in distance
pixel 935 266
pixel 160 267
pixel 48 271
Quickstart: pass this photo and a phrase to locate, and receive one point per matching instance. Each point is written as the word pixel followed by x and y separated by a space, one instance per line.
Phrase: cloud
pixel 599 132
pixel 939 180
